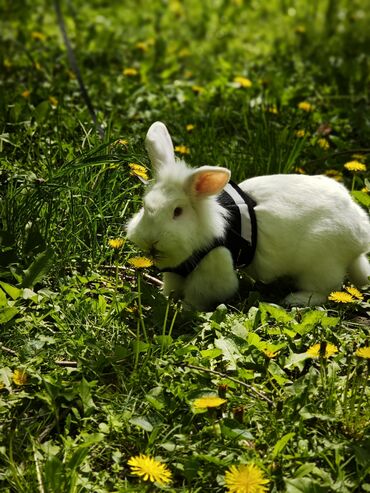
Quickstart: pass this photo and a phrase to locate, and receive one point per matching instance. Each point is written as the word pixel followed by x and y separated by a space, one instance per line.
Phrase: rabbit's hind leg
pixel 315 286
pixel 359 271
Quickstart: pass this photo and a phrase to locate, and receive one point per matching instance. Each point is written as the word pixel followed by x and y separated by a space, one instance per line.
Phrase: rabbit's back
pixel 304 222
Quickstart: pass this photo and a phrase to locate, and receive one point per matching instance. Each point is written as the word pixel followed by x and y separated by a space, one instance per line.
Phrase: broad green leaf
pixel 281 444
pixel 362 198
pixel 12 291
pixel 7 314
pixel 304 485
pixel 211 353
pixel 38 269
pixel 142 423
pixel 230 351
pixel 278 374
pixel 295 359
pixel 275 312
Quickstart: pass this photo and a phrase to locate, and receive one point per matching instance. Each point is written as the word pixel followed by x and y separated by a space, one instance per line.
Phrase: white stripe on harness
pixel 246 227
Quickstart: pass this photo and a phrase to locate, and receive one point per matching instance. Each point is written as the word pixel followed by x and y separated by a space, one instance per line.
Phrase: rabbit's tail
pixel 359 271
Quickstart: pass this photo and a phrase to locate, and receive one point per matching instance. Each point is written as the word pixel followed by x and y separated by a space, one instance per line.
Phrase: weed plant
pixel 97 367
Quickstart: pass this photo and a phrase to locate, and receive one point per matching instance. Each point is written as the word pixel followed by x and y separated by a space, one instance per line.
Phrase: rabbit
pixel 304 227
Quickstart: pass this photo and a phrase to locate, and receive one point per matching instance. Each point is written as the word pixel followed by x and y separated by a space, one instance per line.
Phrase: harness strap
pixel 241 234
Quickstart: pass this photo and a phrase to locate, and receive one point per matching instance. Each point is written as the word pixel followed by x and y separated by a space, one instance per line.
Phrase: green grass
pixel 111 368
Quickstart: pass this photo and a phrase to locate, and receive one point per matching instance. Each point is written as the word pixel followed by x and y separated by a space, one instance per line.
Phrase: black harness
pixel 241 232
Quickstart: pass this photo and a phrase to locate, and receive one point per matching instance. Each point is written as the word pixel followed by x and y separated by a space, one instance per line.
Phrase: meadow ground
pixel 104 385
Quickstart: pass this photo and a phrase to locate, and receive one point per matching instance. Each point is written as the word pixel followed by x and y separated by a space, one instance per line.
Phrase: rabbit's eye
pixel 177 212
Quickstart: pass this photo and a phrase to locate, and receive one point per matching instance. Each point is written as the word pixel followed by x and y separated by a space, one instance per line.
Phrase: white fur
pixel 308 227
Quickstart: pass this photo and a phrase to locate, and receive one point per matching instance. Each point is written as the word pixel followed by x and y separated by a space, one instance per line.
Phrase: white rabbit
pixel 308 228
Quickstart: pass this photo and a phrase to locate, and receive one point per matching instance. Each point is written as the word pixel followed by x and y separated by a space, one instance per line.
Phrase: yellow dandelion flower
pixel 208 402
pixel 246 478
pixel 355 166
pixel 38 36
pixel 53 101
pixel 300 29
pixel 20 377
pixel 301 171
pixel 116 243
pixel 138 170
pixel 363 352
pixel 184 53
pixel 335 174
pixel 121 142
pixel 270 354
pixel 176 8
pixel 140 262
pixel 341 297
pixel 355 292
pixel 26 94
pixel 300 133
pixel 190 127
pixel 314 351
pixel 130 72
pixel 365 190
pixel 7 63
pixel 150 469
pixel 324 144
pixel 305 106
pixel 182 149
pixel 197 89
pixel 142 46
pixel 243 82
pixel 273 109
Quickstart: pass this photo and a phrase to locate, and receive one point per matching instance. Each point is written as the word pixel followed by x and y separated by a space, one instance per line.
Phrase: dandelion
pixel 20 377
pixel 355 292
pixel 341 297
pixel 273 109
pixel 208 402
pixel 150 469
pixel 314 351
pixel 184 53
pixel 270 354
pixel 26 94
pixel 140 262
pixel 116 243
pixel 142 46
pixel 300 29
pixel 121 142
pixel 305 106
pixel 365 190
pixel 138 170
pixel 324 144
pixel 38 36
pixel 355 166
pixel 363 352
pixel 300 133
pixel 299 170
pixel 246 478
pixel 182 149
pixel 130 72
pixel 53 101
pixel 243 82
pixel 335 174
pixel 197 89
pixel 190 127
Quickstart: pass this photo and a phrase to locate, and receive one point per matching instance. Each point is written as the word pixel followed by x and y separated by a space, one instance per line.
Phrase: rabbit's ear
pixel 159 145
pixel 208 180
